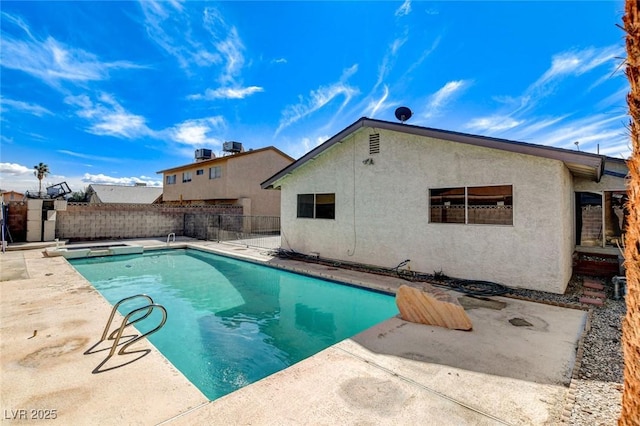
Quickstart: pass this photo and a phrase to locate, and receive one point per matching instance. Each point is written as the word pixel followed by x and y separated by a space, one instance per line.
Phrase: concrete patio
pixel 393 373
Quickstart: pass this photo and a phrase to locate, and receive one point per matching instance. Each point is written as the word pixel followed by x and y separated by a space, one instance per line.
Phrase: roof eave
pixel 594 162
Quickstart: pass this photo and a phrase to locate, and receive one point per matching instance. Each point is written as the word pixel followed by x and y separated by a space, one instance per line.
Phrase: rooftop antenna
pixel 403 114
pixel 577 144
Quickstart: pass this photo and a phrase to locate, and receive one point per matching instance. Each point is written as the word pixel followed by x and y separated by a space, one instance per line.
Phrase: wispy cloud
pixel 376 105
pixel 279 61
pixel 578 62
pixel 179 31
pixel 527 129
pixel 50 60
pixel 404 9
pixel 33 109
pixel 299 146
pixel 109 180
pixel 227 93
pixel 566 64
pixel 86 156
pixel 494 123
pixel 169 26
pixel 425 53
pixel 388 60
pixel 198 132
pixel 597 128
pixel 107 117
pixel 517 118
pixel 319 98
pixel 444 95
pixel 617 99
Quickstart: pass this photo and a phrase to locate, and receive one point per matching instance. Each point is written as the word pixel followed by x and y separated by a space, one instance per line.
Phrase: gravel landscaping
pixel 599 381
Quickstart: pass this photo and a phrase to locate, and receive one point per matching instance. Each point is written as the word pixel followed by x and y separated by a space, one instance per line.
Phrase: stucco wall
pixel 382 210
pixel 241 177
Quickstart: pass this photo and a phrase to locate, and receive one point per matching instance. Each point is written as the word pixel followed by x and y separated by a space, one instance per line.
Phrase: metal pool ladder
pixel 116 335
pixel 171 234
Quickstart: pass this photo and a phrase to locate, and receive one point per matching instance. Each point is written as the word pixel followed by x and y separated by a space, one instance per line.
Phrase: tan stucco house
pixel 232 179
pixel 468 206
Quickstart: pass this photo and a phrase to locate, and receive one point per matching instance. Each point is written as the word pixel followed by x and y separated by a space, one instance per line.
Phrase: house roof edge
pixel 579 162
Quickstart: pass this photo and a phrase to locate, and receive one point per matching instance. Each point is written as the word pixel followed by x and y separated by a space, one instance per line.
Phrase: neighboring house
pixel 468 206
pixel 12 196
pixel 138 194
pixel 231 179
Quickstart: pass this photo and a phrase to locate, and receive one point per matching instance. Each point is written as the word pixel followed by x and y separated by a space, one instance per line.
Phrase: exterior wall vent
pixel 374 143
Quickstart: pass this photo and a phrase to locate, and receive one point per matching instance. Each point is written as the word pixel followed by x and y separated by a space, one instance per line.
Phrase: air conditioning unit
pixel 232 147
pixel 203 154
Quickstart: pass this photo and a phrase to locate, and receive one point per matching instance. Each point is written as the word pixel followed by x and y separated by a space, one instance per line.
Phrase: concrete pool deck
pixel 394 372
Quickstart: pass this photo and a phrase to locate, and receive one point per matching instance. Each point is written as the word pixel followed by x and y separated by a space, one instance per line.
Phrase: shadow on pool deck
pixel 395 372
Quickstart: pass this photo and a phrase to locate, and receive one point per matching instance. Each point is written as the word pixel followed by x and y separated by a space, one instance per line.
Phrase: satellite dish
pixel 403 114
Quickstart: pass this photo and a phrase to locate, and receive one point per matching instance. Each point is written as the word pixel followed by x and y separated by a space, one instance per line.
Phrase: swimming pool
pixel 231 323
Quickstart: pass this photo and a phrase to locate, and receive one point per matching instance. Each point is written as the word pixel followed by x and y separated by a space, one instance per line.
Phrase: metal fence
pixel 252 231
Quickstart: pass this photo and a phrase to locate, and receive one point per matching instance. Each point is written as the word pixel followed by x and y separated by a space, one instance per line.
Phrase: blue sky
pixel 114 91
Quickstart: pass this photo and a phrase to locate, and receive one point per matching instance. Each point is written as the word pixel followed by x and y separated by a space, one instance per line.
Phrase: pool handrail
pixel 113 313
pixel 125 324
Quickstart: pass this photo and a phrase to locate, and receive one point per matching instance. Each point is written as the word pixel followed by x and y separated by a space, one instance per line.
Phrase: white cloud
pixel 404 9
pixel 52 61
pixel 319 98
pixel 279 61
pixel 109 180
pixel 14 169
pixel 108 118
pixel 20 178
pixel 493 123
pixel 228 93
pixel 444 95
pixel 33 109
pixel 198 132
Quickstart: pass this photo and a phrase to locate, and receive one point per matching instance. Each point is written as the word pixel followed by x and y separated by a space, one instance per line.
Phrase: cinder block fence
pixel 84 221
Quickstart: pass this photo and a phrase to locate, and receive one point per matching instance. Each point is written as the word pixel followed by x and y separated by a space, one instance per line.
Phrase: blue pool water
pixel 231 323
